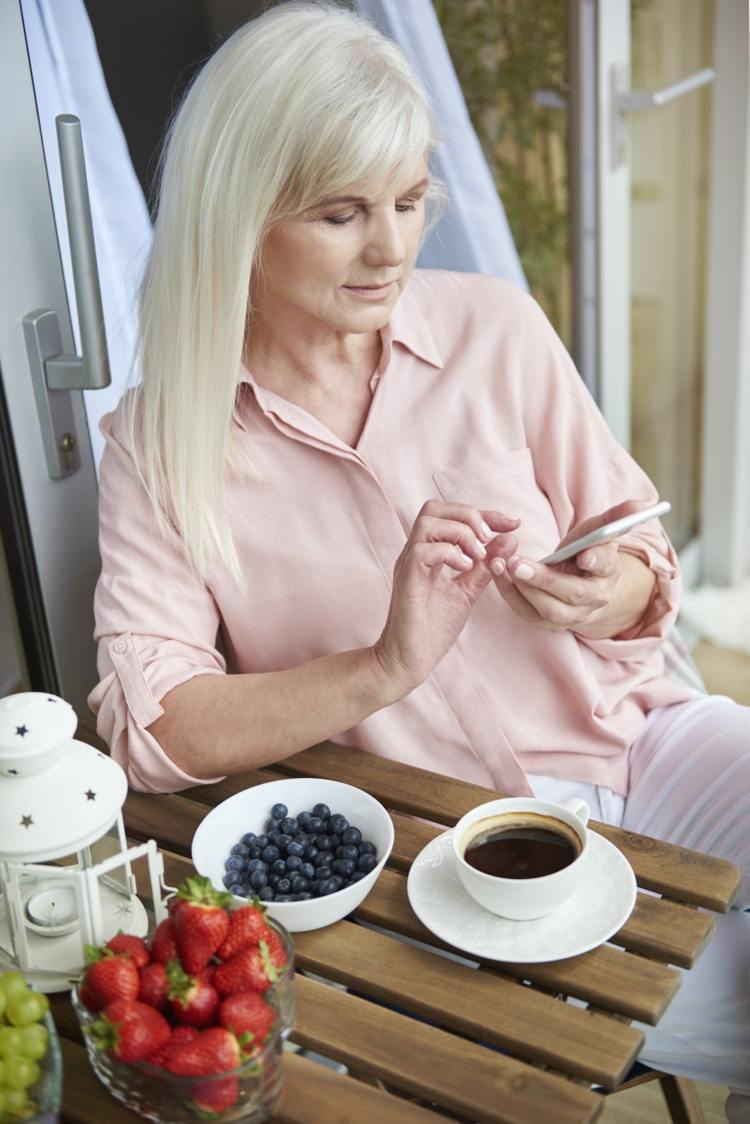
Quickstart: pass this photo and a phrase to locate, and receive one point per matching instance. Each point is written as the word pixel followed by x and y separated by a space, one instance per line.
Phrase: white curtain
pixel 473 236
pixel 68 78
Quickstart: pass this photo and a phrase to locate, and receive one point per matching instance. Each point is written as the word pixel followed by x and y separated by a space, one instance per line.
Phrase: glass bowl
pixel 247 1094
pixel 281 993
pixel 46 1094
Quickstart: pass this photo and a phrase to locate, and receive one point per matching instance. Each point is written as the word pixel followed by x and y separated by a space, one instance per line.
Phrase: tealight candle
pixel 53 908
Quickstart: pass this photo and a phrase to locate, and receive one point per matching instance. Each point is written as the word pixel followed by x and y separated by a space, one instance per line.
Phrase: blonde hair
pixel 298 104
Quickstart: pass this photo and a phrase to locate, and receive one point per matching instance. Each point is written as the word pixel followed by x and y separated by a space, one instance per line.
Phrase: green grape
pixel 10 1041
pixel 20 1072
pixel 13 984
pixel 23 1010
pixel 34 1042
pixel 2 1004
pixel 13 1101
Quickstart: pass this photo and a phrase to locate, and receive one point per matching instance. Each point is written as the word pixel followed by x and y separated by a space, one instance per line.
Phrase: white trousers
pixel 690 784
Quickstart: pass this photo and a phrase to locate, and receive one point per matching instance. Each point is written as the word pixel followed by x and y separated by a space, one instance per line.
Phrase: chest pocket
pixel 505 482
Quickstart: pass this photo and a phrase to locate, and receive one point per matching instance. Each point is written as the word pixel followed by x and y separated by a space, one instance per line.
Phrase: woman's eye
pixel 339 220
pixel 406 206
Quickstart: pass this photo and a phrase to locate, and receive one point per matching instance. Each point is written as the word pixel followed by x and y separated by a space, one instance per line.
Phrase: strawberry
pixel 215 1050
pixel 154 986
pixel 276 950
pixel 201 923
pixel 250 969
pixel 124 944
pixel 130 1031
pixel 216 1096
pixel 247 1013
pixel 164 942
pixel 247 927
pixel 179 1034
pixel 109 976
pixel 192 999
pixel 87 997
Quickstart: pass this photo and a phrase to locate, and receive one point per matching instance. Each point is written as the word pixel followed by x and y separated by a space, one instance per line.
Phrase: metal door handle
pixel 625 101
pixel 53 372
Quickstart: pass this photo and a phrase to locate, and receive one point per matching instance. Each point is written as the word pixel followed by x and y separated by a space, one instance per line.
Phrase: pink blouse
pixel 475 400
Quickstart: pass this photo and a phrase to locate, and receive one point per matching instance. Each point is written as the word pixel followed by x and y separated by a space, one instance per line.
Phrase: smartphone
pixel 607 532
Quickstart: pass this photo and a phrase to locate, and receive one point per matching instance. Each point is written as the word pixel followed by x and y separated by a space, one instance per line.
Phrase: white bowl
pixel 249 810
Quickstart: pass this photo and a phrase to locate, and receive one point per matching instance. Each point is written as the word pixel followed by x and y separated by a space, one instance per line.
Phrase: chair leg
pixel 682 1099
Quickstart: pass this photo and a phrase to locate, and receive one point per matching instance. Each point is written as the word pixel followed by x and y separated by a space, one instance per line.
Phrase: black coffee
pixel 523 851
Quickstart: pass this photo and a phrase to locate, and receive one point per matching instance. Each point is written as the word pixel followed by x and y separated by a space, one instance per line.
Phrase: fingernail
pixel 480 548
pixel 523 571
pixel 465 558
pixel 487 532
pixel 593 559
pixel 497 565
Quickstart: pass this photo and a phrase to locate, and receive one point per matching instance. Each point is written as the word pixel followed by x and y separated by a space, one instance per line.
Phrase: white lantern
pixel 66 877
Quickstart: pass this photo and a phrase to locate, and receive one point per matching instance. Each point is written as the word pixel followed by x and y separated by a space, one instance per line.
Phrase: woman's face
pixel 342 265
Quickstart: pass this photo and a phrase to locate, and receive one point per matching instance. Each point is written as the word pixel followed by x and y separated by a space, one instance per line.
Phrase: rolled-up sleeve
pixel 584 471
pixel 156 624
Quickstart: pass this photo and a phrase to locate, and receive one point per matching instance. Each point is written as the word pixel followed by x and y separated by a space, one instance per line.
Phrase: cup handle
pixel 579 808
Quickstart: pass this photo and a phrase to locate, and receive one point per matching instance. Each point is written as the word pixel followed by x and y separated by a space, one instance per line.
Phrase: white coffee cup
pixel 522 899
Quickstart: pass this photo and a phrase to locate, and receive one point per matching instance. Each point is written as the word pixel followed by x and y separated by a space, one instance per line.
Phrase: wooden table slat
pixel 431 1064
pixel 614 980
pixel 485 1005
pixel 314 1093
pixel 677 872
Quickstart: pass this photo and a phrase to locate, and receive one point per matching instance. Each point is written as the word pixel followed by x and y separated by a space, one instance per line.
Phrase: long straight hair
pixel 298 104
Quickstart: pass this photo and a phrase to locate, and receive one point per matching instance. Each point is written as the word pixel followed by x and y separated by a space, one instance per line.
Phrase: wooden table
pixel 551 1052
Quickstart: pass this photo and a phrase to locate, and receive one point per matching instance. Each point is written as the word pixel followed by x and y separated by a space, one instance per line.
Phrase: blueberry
pixel 335 840
pixel 257 864
pixel 236 888
pixel 283 840
pixel 358 875
pixel 288 825
pixel 315 887
pixel 293 862
pixel 243 892
pixel 295 849
pixel 351 835
pixel 298 883
pixel 266 894
pixel 301 838
pixel 367 848
pixel 279 811
pixel 230 879
pixel 367 863
pixel 283 886
pixel 285 898
pixel 240 849
pixel 278 867
pixel 311 851
pixel 258 879
pixel 307 870
pixel 322 811
pixel 274 879
pixel 336 881
pixel 271 854
pixel 322 859
pixel 303 819
pixel 323 842
pixel 255 852
pixel 327 886
pixel 345 867
pixel 270 826
pixel 337 823
pixel 304 896
pixel 347 851
pixel 249 838
pixel 261 841
pixel 234 862
pixel 315 825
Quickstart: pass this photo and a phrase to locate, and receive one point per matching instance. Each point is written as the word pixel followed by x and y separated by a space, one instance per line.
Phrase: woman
pixel 322 511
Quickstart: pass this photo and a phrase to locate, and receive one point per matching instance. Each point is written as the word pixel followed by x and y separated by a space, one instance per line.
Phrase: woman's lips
pixel 370 292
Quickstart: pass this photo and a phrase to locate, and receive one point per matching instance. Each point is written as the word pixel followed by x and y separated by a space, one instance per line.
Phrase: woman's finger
pixel 430 555
pixel 537 581
pixel 601 561
pixel 429 528
pixel 483 524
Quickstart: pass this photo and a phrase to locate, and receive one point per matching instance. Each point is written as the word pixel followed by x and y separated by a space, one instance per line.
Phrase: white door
pixel 49 524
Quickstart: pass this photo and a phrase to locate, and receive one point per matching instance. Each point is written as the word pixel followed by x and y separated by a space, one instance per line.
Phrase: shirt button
pixel 120 646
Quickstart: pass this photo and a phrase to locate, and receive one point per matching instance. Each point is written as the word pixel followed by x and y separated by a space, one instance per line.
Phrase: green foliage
pixel 503 51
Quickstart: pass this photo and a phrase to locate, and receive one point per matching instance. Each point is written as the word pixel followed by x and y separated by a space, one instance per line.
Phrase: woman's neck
pixel 321 365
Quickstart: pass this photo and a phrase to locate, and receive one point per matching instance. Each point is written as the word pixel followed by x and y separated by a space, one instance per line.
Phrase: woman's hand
pixel 429 606
pixel 601 593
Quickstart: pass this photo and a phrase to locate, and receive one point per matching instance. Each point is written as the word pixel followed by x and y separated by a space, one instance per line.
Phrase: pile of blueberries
pixel 299 857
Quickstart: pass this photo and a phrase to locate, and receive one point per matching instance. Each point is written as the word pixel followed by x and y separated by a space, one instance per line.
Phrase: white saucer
pixel 600 906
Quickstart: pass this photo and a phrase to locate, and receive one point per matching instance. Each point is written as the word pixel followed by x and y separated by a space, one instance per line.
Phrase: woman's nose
pixel 385 246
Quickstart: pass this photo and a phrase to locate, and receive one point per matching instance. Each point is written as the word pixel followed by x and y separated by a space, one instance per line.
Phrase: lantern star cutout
pixel 90 795
pixel 12 772
pixel 21 730
pixel 26 821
